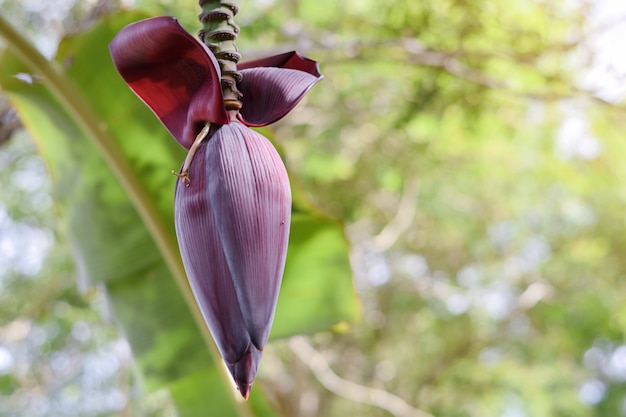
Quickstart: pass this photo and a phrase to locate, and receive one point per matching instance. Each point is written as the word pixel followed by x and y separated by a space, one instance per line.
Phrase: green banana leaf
pixel 106 190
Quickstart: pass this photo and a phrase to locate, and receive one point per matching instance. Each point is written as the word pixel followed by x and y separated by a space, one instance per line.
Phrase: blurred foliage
pixel 481 187
pixel 60 351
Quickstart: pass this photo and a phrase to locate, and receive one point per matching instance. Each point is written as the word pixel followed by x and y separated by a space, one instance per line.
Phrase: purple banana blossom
pixel 232 199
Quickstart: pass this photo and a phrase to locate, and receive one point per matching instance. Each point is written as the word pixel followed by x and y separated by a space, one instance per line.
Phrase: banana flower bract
pixel 232 217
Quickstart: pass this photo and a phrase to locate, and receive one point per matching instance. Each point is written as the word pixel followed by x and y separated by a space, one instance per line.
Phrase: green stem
pixel 72 100
pixel 219 33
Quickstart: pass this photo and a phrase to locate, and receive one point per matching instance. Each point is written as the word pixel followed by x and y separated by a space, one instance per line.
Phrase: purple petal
pixel 273 86
pixel 289 60
pixel 250 189
pixel 205 262
pixel 232 225
pixel 244 371
pixel 173 73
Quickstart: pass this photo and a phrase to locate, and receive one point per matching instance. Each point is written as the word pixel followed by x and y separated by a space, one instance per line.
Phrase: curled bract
pixel 179 79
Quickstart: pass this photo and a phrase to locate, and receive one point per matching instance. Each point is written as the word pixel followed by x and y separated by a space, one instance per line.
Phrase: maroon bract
pixel 179 79
pixel 232 224
pixel 232 211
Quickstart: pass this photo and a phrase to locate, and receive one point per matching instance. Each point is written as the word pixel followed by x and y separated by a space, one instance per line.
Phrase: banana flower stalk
pixel 232 196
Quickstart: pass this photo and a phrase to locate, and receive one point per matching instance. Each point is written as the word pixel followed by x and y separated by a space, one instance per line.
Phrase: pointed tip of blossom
pixel 245 391
pixel 244 370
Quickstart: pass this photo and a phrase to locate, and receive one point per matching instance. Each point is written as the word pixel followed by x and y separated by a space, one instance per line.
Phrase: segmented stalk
pixel 219 33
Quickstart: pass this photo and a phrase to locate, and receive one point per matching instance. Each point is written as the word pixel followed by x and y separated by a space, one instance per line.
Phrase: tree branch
pixel 347 389
pixel 402 220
